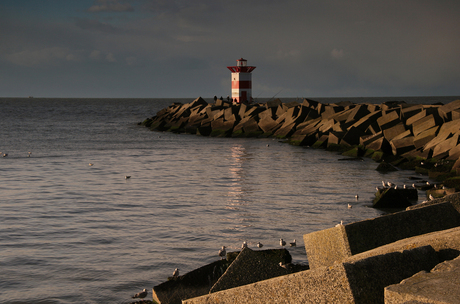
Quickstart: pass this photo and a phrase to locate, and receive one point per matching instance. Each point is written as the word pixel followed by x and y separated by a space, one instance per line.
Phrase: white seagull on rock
pixel 141 294
pixel 176 273
pixel 260 245
pixel 244 245
pixel 223 253
pixel 293 244
pixel 282 242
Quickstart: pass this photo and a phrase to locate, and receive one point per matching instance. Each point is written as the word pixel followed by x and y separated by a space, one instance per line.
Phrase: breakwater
pixel 400 133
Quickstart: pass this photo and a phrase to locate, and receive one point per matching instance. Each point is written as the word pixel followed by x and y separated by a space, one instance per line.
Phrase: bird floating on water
pixel 176 273
pixel 91 164
pixel 282 242
pixel 223 253
pixel 357 196
pixel 260 245
pixel 127 176
pixel 4 154
pixel 141 294
pixel 293 244
pixel 350 206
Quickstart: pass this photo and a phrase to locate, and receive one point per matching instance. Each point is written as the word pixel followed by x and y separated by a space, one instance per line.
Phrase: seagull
pixel 141 294
pixel 293 244
pixel 350 206
pixel 91 164
pixel 29 154
pixel 338 225
pixel 357 196
pixel 5 155
pixel 431 197
pixel 282 242
pixel 383 183
pixel 244 245
pixel 127 176
pixel 260 245
pixel 223 253
pixel 176 273
pixel 287 266
pixel 404 187
pixel 396 186
pixel 413 186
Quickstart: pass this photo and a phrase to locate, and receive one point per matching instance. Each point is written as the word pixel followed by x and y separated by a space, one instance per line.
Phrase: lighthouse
pixel 241 81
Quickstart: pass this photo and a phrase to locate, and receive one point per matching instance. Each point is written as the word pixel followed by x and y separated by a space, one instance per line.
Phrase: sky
pixel 181 48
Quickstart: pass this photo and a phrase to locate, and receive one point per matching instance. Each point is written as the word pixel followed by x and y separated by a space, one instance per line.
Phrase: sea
pixel 74 229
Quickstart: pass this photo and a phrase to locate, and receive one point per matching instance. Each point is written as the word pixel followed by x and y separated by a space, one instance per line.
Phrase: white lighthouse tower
pixel 241 81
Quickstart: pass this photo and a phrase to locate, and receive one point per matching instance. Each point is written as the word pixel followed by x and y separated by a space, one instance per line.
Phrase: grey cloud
pixel 95 25
pixel 110 6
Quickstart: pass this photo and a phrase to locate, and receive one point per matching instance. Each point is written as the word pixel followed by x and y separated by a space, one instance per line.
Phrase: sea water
pixel 71 232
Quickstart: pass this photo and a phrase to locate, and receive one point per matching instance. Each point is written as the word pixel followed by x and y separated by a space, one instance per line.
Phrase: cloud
pixel 95 25
pixel 131 60
pixel 337 54
pixel 110 6
pixel 110 57
pixel 46 56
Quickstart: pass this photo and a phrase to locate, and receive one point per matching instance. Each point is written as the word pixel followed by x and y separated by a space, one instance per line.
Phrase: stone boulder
pixel 252 266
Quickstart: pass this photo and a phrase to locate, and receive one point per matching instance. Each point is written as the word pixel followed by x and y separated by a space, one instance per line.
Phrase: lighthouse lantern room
pixel 241 81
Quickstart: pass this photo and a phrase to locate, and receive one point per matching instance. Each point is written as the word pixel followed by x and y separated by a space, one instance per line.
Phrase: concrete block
pixel 267 124
pixel 444 133
pixel 326 125
pixel 357 113
pixel 406 133
pixel 198 102
pixel 455 114
pixel 310 103
pixel 332 245
pixel 408 112
pixel 388 120
pixel 360 281
pixel 253 266
pixel 445 146
pixel 424 124
pixel 285 130
pixel 351 137
pixel 251 126
pixel 446 110
pixel 394 131
pixel 281 110
pixel 333 138
pixel 193 284
pixel 441 285
pixel 273 103
pixel 424 137
pixel 402 145
pixel 330 111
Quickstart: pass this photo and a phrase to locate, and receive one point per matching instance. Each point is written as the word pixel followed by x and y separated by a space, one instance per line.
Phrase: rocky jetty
pixel 403 134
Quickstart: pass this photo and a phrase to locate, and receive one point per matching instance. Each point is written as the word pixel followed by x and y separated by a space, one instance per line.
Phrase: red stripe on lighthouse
pixel 241 84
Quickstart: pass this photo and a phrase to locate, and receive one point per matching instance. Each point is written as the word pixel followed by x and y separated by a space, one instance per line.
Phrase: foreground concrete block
pixel 253 266
pixel 360 281
pixel 192 284
pixel 441 285
pixel 329 246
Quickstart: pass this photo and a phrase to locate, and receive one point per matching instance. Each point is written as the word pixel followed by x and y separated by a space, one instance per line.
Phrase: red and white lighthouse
pixel 241 81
